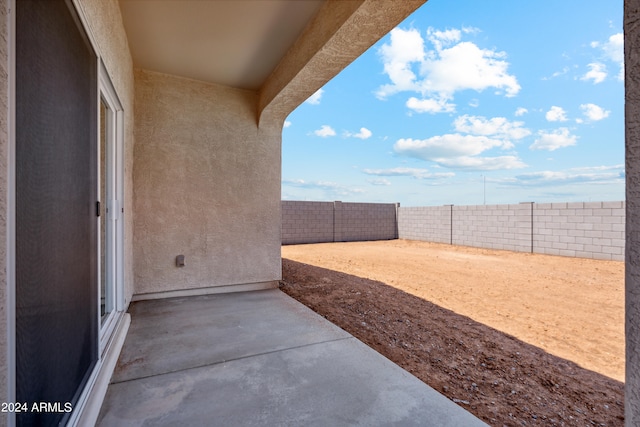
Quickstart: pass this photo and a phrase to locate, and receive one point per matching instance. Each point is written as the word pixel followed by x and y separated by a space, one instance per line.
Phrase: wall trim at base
pixel 259 286
pixel 90 402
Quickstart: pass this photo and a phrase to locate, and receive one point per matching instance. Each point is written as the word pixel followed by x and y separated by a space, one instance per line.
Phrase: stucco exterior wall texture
pixel 206 186
pixel 105 22
pixel 632 159
pixel 4 138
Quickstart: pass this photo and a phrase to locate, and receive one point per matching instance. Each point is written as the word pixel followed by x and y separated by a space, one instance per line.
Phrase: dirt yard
pixel 515 338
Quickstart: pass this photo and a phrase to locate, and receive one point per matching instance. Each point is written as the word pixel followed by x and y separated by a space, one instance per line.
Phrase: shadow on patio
pixel 259 358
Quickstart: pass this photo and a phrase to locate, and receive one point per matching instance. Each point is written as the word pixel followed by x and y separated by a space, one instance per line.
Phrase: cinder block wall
pixel 505 227
pixel 317 222
pixel 428 223
pixel 307 222
pixel 586 230
pixel 365 221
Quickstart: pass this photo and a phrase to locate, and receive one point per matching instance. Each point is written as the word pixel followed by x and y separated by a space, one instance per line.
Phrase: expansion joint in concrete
pixel 220 362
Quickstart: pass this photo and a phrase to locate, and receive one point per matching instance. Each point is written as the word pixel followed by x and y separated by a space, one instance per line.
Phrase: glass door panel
pixel 106 218
pixel 56 233
pixel 110 191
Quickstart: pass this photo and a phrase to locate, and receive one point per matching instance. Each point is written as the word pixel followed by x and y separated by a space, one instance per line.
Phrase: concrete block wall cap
pixel 591 205
pixel 575 205
pixel 540 206
pixel 612 204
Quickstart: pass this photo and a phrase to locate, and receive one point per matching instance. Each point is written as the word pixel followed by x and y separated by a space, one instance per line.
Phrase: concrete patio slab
pixel 182 333
pixel 260 359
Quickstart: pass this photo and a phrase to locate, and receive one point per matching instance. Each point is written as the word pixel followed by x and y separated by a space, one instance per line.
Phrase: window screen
pixel 56 227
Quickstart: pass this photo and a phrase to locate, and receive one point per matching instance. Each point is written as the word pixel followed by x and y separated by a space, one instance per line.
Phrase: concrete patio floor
pixel 259 359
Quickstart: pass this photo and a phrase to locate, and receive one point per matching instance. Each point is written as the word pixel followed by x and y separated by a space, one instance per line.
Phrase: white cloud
pixel 594 112
pixel 459 151
pixel 363 134
pixel 499 127
pixel 430 105
pixel 484 163
pixel 315 98
pixel 553 140
pixel 417 173
pixel 471 30
pixel 443 38
pixel 466 66
pixel 593 169
pixel 589 175
pixel 597 73
pixel 453 65
pixel 556 114
pixel 562 72
pixel 613 50
pixel 325 131
pixel 448 145
pixel 379 181
pixel 406 47
pixel 330 187
pixel 287 123
pixel 521 111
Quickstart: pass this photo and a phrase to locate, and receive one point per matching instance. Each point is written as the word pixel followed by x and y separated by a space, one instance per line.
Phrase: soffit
pixel 230 42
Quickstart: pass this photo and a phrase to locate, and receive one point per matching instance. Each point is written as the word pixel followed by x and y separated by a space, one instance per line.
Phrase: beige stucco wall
pixel 632 158
pixel 105 24
pixel 206 185
pixel 4 58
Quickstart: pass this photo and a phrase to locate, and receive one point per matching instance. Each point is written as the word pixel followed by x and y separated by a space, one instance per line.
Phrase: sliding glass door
pixel 56 233
pixel 109 206
pixel 69 211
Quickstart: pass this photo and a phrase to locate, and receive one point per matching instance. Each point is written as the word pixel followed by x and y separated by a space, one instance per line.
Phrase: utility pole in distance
pixel 484 190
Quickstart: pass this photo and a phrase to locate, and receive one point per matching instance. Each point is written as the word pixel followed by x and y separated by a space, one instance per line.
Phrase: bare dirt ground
pixel 515 338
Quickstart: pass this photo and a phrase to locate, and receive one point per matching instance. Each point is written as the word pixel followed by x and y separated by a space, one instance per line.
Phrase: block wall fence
pixel 318 222
pixel 583 229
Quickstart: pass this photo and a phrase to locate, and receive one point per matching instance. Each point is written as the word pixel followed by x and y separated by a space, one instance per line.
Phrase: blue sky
pixel 464 103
